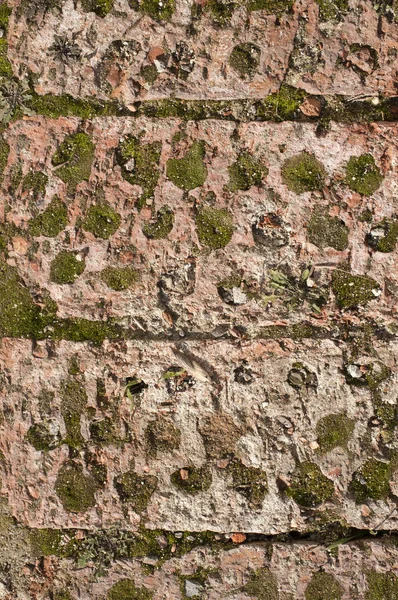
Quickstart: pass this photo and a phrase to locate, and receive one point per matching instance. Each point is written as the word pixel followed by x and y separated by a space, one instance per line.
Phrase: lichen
pixel 246 172
pixel 161 435
pixel 371 481
pixel 303 173
pixel 162 225
pixel 100 7
pixel 102 220
pixel 214 227
pixel 125 589
pixel 263 585
pixel 139 163
pixel 188 172
pixel 35 182
pixel 73 160
pixel 383 236
pixel 353 290
pixel 334 431
pixel 192 480
pixel 75 489
pixel 73 405
pixel 135 489
pixel 324 586
pixel 250 482
pixel 309 487
pixel 245 59
pixel 363 175
pixel 51 221
pixel 119 278
pixel 159 10
pixel 66 267
pixel 327 232
pixel 381 586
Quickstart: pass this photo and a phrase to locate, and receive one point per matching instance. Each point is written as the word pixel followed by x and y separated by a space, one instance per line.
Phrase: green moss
pixel 42 438
pixel 332 9
pixel 214 227
pixel 381 586
pixel 125 589
pixel 4 152
pixel 75 490
pixel 221 11
pixel 73 160
pixel 35 182
pixel 333 431
pixel 263 585
pixel 100 7
pixel 119 278
pixel 46 542
pixel 162 435
pixel 157 9
pixel 102 220
pixel 371 375
pixel 383 236
pixel 324 586
pixel 192 480
pixel 5 65
pixel 303 173
pixel 188 172
pixel 245 59
pixel 246 172
pixel 66 267
pixel 104 433
pixel 82 330
pixel 162 226
pixel 149 73
pixel 62 595
pixel 74 404
pixel 327 232
pixel 54 107
pixel 140 164
pixel 363 175
pixel 51 221
pixel 281 106
pixel 309 486
pixel 353 290
pixel 250 482
pixel 136 489
pixel 19 316
pixel 371 481
pixel 271 7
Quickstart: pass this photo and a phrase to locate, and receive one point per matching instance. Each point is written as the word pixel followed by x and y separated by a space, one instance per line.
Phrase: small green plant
pixel 214 227
pixel 73 160
pixel 102 220
pixel 303 173
pixel 188 172
pixel 363 175
pixel 66 267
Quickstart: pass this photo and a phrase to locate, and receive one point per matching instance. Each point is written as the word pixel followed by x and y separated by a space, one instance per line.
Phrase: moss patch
pixel 140 164
pixel 271 7
pixel 51 221
pixel 157 9
pixel 363 175
pixel 262 585
pixel 327 232
pixel 100 7
pixel 136 489
pixel 46 542
pixel 192 480
pixel 42 438
pixel 221 11
pixel 333 431
pixel 103 432
pixel 74 404
pixel 5 65
pixel 35 182
pixel 246 172
pixel 381 586
pixel 188 172
pixel 281 106
pixel 162 435
pixel 4 152
pixel 245 59
pixel 75 490
pixel 303 173
pixel 324 586
pixel 332 9
pixel 125 589
pixel 309 486
pixel 162 226
pixel 353 290
pixel 73 160
pixel 119 278
pixel 383 237
pixel 371 481
pixel 220 435
pixel 66 267
pixel 214 227
pixel 250 482
pixel 102 220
